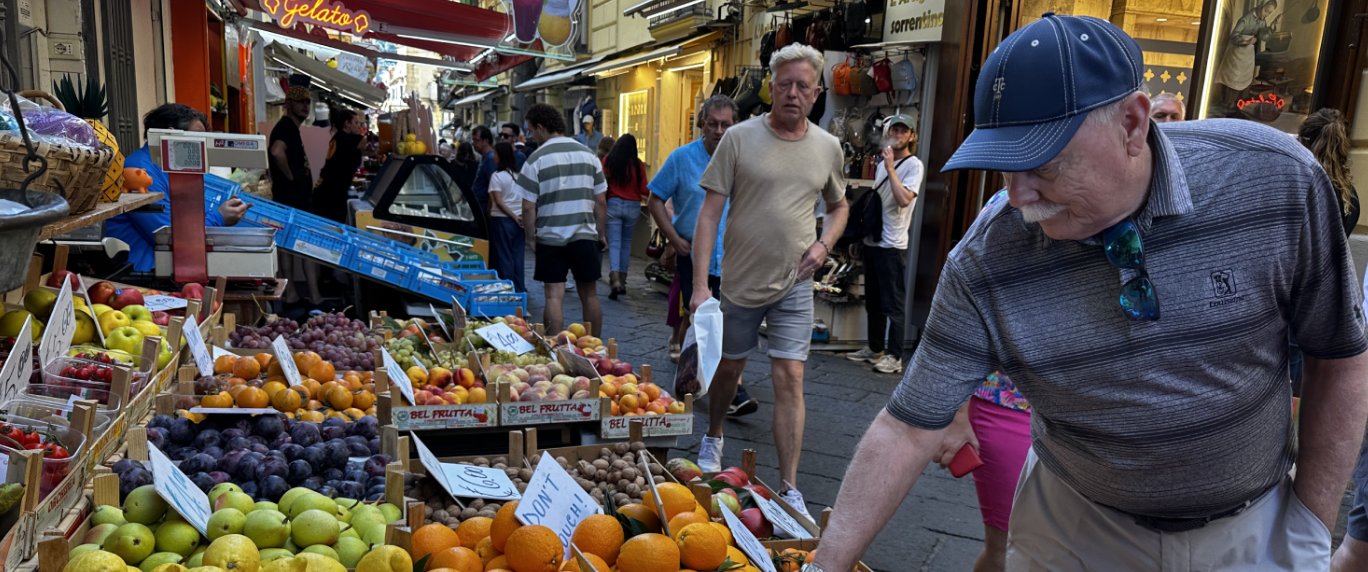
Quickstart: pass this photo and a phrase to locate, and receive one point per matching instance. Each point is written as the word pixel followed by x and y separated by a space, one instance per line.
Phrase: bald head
pixel 1166 107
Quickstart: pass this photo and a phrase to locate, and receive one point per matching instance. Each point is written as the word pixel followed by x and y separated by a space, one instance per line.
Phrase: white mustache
pixel 1037 212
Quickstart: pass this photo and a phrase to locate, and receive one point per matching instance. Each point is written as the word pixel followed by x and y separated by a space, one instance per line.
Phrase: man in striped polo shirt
pixel 1161 440
pixel 565 213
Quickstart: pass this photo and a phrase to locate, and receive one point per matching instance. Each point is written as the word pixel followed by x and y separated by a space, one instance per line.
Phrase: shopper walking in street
pixel 564 215
pixel 772 169
pixel 506 237
pixel 1326 135
pixel 676 183
pixel 1161 440
pixel 344 158
pixel 883 249
pixel 626 188
pixel 482 139
pixel 604 146
pixel 588 137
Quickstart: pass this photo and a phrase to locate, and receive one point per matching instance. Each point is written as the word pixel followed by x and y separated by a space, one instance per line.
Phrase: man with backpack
pixel 885 218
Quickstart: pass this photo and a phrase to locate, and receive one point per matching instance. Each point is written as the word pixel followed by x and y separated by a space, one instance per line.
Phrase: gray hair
pixel 1109 114
pixel 716 102
pixel 1182 107
pixel 796 52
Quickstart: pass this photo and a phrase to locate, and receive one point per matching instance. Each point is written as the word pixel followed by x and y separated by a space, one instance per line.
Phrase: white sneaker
pixel 710 454
pixel 865 354
pixel 888 364
pixel 795 500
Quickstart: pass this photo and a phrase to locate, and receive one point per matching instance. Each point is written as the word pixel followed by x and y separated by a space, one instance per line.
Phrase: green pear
pixel 178 537
pixel 267 528
pixel 98 534
pixel 132 542
pixel 173 567
pixel 349 532
pixel 266 505
pixel 312 501
pixel 219 489
pixel 289 497
pixel 391 512
pixel 314 527
pixel 270 554
pixel 374 536
pixel 322 549
pixel 159 558
pixel 144 506
pixel 225 522
pixel 350 550
pixel 82 549
pixel 195 561
pixel 234 499
pixel 108 514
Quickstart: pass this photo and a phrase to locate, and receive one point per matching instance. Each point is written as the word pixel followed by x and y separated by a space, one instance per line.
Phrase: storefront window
pixel 632 109
pixel 1263 60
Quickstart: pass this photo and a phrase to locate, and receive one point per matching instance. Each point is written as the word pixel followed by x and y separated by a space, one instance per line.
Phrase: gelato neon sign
pixel 1268 97
pixel 319 13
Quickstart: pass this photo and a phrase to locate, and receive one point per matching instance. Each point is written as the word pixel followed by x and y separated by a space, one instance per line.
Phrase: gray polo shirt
pixel 1185 416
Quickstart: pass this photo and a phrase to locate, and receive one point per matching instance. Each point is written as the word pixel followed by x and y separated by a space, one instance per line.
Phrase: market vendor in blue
pixel 137 229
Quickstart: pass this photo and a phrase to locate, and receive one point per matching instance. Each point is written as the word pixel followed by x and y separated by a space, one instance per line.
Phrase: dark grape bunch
pixel 259 338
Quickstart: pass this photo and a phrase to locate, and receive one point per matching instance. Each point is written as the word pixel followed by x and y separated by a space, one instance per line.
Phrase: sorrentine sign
pixel 914 20
pixel 319 13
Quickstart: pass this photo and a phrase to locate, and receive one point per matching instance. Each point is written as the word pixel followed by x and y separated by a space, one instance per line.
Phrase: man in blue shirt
pixel 138 229
pixel 483 140
pixel 678 181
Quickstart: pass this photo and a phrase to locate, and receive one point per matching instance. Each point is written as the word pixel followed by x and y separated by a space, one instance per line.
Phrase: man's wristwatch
pixel 811 567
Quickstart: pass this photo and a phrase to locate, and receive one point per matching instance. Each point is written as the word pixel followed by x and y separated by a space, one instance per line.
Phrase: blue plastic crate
pixel 436 284
pixel 494 305
pixel 323 243
pixel 375 259
pixel 265 212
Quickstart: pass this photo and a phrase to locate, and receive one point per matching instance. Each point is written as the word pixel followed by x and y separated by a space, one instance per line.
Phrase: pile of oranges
pixel 259 382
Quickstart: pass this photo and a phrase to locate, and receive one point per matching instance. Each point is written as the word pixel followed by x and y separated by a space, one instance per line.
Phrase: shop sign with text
pixel 323 13
pixel 914 20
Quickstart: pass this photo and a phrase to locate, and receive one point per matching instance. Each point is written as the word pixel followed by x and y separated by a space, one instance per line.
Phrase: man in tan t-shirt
pixel 773 168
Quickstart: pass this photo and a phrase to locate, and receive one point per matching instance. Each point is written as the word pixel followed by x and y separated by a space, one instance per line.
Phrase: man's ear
pixel 1135 118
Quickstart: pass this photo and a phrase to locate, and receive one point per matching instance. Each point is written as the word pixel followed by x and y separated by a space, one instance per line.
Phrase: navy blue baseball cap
pixel 1038 86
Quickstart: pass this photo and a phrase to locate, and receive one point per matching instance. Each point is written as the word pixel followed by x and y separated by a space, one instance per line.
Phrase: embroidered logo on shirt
pixel 1223 283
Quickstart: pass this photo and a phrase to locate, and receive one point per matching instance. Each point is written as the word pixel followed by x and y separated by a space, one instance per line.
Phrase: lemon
pixel 385 559
pixel 233 552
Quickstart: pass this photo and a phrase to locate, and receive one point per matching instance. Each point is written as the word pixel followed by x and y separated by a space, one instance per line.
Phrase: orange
pixel 534 548
pixel 703 512
pixel 246 368
pixel 485 548
pixel 677 498
pixel 306 360
pixel 273 370
pixel 792 560
pixel 289 400
pixel 220 399
pixel 224 364
pixel 313 387
pixel 338 397
pixel 499 562
pixel 264 359
pixel 599 534
pixel 504 524
pixel 252 397
pixel 649 553
pixel 363 400
pixel 311 416
pixel 572 565
pixel 459 559
pixel 473 530
pixel 651 390
pixel 272 387
pixel 701 547
pixel 639 512
pixel 684 519
pixel 736 555
pixel 323 370
pixel 725 532
pixel 431 539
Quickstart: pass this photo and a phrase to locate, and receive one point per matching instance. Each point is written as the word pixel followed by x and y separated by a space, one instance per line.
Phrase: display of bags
pixel 840 78
pixel 883 76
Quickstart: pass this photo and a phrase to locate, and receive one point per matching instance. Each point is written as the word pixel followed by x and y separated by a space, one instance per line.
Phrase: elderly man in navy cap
pixel 1160 440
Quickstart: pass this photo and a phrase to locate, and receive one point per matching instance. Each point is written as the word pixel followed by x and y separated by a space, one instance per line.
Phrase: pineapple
pixel 91 105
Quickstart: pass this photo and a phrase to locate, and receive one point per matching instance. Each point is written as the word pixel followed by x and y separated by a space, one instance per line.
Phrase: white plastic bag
pixel 701 352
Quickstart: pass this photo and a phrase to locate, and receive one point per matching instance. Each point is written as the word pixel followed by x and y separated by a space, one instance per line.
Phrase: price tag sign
pixel 419 362
pixel 178 490
pixel 83 292
pixel 467 481
pixel 160 303
pixel 576 364
pixel 785 526
pixel 397 376
pixel 61 326
pixel 195 340
pixel 503 338
pixel 458 315
pixel 553 499
pixel 19 365
pixel 219 352
pixel 441 322
pixel 352 65
pixel 747 542
pixel 65 410
pixel 286 359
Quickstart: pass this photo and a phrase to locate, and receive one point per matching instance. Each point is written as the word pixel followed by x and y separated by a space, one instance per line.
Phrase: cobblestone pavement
pixel 937 527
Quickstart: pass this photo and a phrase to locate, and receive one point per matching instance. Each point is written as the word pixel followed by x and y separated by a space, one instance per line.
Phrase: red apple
pixel 193 291
pixel 755 522
pixel 622 368
pixel 59 276
pixel 759 491
pixel 604 366
pixel 125 297
pixel 161 318
pixel 740 474
pixel 101 292
pixel 730 478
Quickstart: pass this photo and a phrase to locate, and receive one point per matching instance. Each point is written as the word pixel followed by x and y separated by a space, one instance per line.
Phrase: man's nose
pixel 1020 190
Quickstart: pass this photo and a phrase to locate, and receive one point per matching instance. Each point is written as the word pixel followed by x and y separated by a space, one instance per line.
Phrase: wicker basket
pixel 74 172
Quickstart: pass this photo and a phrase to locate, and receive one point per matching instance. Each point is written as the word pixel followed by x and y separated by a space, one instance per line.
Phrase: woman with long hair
pixel 1326 135
pixel 626 176
pixel 505 218
pixel 467 163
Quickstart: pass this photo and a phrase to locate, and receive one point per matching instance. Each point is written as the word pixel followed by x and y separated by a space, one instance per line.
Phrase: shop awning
pixel 327 78
pixel 628 61
pixel 476 97
pixel 557 76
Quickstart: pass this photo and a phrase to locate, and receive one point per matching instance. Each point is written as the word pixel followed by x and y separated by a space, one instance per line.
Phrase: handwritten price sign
pixel 784 525
pixel 467 481
pixel 747 542
pixel 19 365
pixel 61 327
pixel 553 499
pixel 195 340
pixel 286 359
pixel 503 338
pixel 160 303
pixel 397 376
pixel 178 490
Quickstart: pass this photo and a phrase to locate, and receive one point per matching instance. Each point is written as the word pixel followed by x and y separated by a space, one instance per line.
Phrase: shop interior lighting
pixel 1161 19
pixel 653 8
pixel 696 66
